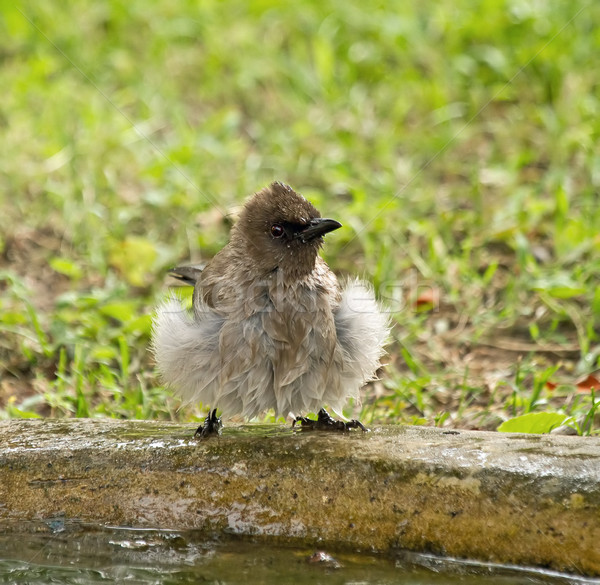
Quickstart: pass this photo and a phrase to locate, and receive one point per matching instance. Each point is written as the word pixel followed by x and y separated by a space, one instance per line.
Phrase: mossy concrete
pixel 519 499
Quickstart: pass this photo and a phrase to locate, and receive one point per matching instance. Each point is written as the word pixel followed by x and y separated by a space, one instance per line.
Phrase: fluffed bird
pixel 270 327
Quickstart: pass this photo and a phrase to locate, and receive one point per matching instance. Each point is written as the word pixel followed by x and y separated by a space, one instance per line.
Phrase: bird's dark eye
pixel 277 231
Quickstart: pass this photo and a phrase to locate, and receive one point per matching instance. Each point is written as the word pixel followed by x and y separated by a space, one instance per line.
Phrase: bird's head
pixel 280 229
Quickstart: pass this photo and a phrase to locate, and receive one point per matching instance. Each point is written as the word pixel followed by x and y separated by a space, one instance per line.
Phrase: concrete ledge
pixel 520 499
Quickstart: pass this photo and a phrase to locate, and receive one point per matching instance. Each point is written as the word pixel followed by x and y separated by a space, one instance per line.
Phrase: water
pixel 57 553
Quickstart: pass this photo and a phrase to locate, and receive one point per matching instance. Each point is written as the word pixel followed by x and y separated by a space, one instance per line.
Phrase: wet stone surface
pixel 491 497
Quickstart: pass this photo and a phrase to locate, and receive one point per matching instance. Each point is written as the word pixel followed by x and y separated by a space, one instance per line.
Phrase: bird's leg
pixel 212 426
pixel 324 422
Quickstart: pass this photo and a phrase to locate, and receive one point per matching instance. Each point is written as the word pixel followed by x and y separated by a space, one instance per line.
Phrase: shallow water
pixel 57 553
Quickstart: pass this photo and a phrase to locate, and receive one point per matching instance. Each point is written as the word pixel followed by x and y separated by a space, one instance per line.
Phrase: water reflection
pixel 55 552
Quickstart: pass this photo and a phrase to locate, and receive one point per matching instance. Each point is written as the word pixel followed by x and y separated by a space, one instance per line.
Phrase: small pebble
pixel 326 559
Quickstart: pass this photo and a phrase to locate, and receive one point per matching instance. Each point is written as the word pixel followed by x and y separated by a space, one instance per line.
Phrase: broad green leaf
pixel 141 325
pixel 536 422
pixel 560 286
pixel 134 257
pixel 122 311
pixel 66 267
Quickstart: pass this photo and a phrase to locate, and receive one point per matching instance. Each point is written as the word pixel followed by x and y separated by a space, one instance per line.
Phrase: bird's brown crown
pixel 278 203
pixel 280 229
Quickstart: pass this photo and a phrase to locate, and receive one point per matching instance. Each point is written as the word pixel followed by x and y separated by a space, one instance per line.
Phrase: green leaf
pixel 410 361
pixel 134 258
pixel 140 325
pixel 66 267
pixel 560 286
pixel 18 413
pixel 103 353
pixel 122 311
pixel 563 292
pixel 538 423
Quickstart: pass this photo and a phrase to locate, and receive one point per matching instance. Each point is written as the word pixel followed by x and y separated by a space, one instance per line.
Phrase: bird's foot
pixel 212 426
pixel 324 422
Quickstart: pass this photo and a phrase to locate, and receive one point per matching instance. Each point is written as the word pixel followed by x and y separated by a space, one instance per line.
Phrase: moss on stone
pixel 473 495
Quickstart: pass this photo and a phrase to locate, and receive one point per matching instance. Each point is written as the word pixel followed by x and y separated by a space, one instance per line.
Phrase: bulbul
pixel 270 327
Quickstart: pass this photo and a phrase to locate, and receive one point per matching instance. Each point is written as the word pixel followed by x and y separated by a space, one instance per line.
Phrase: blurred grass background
pixel 457 141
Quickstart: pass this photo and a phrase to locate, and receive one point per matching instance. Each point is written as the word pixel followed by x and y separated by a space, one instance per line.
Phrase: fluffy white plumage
pixel 230 361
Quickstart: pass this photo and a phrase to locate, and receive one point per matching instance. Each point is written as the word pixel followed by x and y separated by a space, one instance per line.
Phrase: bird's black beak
pixel 317 227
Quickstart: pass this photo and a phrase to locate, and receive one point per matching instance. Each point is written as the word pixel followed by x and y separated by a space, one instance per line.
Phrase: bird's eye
pixel 277 231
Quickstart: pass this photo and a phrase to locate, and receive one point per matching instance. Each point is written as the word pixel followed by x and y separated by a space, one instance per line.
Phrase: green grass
pixel 456 141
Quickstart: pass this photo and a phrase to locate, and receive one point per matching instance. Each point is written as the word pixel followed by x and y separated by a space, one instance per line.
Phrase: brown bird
pixel 271 328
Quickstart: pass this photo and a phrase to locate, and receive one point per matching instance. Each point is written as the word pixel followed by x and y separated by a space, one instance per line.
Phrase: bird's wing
pixel 362 331
pixel 189 275
pixel 186 349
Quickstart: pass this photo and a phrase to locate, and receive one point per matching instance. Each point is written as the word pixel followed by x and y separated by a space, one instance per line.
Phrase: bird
pixel 270 326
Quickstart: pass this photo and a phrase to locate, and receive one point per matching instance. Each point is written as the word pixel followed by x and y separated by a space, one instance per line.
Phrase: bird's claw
pixel 212 426
pixel 324 422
